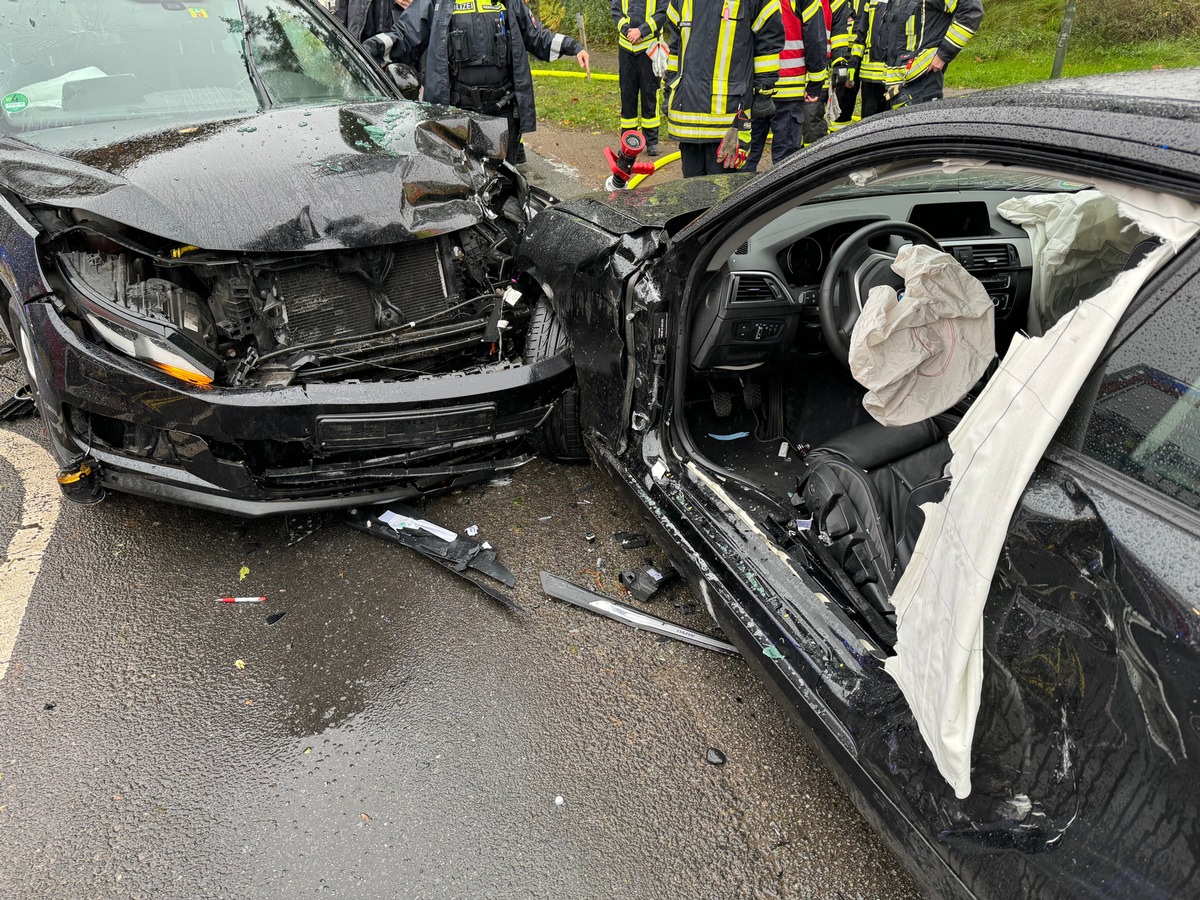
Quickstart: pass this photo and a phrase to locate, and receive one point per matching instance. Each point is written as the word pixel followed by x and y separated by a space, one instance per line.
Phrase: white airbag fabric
pixel 941 596
pixel 917 355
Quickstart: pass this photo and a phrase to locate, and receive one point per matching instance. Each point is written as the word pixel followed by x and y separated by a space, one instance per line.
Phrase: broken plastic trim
pixel 462 556
pixel 561 589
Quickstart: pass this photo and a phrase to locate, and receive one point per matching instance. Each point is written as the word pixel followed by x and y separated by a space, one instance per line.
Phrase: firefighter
pixel 721 71
pixel 868 67
pixel 638 25
pixel 476 57
pixel 802 88
pixel 841 39
pixel 922 37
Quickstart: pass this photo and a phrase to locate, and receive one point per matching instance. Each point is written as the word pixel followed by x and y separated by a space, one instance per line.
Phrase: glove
pixel 658 53
pixel 735 146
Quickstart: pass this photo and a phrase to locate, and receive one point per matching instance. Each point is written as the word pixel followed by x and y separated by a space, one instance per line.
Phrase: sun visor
pixel 918 354
pixel 940 598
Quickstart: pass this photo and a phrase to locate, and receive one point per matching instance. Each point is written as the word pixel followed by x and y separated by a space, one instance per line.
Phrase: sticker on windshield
pixel 197 12
pixel 14 103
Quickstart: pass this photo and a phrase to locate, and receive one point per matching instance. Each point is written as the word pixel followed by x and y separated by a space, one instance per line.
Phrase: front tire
pixel 561 435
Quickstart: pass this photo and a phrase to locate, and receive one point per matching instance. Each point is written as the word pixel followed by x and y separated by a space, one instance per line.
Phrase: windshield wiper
pixel 251 65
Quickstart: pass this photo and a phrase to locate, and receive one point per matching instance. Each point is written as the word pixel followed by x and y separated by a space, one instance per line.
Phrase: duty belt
pixel 481 98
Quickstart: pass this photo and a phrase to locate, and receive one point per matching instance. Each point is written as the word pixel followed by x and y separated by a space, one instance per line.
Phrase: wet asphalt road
pixel 395 733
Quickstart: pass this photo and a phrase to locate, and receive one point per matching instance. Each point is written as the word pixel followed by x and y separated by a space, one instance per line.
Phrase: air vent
pixel 756 289
pixel 743 250
pixel 985 256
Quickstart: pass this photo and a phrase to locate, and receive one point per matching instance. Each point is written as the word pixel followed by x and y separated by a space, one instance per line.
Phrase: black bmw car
pixel 244 274
pixel 986 610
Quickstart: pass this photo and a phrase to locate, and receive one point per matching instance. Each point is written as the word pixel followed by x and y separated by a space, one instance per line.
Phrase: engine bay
pixel 421 307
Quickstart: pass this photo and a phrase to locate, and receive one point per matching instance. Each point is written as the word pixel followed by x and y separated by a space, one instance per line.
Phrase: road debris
pixel 274 618
pixel 19 405
pixel 589 535
pixel 559 801
pixel 643 582
pixel 239 663
pixel 302 525
pixel 243 572
pixel 714 757
pixel 472 530
pixel 631 540
pixel 560 589
pixel 461 555
pixel 241 599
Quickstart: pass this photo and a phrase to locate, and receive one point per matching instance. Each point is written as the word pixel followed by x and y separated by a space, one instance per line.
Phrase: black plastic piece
pixel 643 582
pixel 631 540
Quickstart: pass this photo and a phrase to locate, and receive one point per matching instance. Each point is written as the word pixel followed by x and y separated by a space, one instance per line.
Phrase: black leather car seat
pixel 863 490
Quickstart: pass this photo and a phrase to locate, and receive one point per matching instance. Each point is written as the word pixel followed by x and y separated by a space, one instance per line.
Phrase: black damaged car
pixel 983 601
pixel 244 274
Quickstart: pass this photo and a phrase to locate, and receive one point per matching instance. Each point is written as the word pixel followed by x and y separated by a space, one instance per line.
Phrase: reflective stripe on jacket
pixel 913 31
pixel 805 54
pixel 424 28
pixel 723 52
pixel 647 16
pixel 867 46
pixel 841 32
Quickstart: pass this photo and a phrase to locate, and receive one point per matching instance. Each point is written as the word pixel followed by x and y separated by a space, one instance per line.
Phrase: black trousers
pixel 846 97
pixel 873 100
pixel 636 73
pixel 924 89
pixel 700 159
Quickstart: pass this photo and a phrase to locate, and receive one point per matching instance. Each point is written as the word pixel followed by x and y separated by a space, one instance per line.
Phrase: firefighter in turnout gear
pixel 639 23
pixel 476 57
pixel 920 38
pixel 841 40
pixel 868 67
pixel 802 88
pixel 721 72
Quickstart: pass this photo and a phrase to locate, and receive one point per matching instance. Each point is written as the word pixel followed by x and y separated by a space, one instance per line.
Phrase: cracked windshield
pixel 68 63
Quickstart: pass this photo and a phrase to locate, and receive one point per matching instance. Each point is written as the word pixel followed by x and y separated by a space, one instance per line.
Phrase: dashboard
pixel 763 304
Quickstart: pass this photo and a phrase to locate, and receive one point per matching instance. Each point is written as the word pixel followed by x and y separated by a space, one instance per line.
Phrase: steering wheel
pixel 855 268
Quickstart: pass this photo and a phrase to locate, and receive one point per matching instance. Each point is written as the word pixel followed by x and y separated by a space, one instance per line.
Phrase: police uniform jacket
pixel 425 28
pixel 722 53
pixel 365 18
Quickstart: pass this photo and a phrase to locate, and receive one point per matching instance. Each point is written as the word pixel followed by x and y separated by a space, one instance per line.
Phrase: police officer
pixel 801 90
pixel 920 38
pixel 365 18
pixel 476 57
pixel 638 24
pixel 722 69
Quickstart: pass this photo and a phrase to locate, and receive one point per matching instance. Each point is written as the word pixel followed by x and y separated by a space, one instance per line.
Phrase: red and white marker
pixel 241 599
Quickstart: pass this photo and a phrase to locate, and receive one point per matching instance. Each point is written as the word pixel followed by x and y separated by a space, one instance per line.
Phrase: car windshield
pixel 67 63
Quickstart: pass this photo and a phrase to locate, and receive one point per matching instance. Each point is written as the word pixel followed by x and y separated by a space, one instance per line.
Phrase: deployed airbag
pixel 941 596
pixel 918 353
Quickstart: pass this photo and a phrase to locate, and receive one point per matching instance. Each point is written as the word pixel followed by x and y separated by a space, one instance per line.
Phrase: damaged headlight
pixel 150 319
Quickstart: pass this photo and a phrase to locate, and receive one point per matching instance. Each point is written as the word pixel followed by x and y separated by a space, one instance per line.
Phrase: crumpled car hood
pixel 281 181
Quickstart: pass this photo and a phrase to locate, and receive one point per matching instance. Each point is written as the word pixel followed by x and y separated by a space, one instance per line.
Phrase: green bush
pixel 560 15
pixel 1101 23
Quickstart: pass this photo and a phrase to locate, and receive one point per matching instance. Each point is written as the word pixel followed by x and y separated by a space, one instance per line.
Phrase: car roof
pixel 1179 87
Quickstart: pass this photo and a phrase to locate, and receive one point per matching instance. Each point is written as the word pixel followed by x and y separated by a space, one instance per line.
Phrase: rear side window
pixel 1146 418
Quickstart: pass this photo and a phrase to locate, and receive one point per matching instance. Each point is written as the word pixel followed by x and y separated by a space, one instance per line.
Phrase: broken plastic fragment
pixel 472 530
pixel 275 617
pixel 396 521
pixel 658 470
pixel 631 540
pixel 239 663
pixel 714 757
pixel 645 581
pixel 589 536
pixel 559 801
pixel 512 296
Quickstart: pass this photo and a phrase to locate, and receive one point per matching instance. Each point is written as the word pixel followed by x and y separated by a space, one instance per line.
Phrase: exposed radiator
pixel 322 303
pixel 416 284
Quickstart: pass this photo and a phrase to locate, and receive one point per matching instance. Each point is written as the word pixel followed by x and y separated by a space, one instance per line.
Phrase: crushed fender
pixel 461 555
pixel 560 589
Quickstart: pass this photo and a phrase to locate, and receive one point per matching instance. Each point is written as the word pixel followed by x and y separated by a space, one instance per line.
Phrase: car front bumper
pixel 252 452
